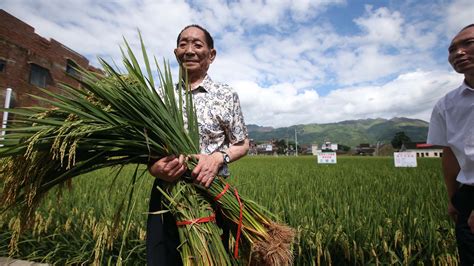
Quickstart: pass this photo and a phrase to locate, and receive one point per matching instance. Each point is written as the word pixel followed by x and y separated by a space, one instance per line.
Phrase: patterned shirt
pixel 220 119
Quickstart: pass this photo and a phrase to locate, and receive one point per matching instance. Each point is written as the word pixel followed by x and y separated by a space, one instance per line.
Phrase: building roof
pixel 421 146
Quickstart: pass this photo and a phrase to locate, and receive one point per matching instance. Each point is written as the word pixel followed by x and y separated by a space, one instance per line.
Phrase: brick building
pixel 29 61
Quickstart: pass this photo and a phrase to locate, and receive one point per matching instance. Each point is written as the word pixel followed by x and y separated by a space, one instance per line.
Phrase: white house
pixel 426 150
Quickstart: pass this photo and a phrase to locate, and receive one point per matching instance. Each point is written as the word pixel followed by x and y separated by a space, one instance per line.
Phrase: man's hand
pixel 207 168
pixel 168 168
pixel 452 212
pixel 470 221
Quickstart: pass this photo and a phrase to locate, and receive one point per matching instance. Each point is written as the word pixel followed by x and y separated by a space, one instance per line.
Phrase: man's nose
pixel 460 51
pixel 189 49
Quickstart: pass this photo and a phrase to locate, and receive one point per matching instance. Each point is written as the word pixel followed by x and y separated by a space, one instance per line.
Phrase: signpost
pixel 296 143
pixel 327 158
pixel 405 159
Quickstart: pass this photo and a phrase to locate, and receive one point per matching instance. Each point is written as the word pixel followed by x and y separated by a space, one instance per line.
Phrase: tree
pixel 399 139
pixel 343 147
pixel 280 146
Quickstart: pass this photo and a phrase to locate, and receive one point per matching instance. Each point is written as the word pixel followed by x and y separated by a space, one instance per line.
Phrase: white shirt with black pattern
pixel 220 119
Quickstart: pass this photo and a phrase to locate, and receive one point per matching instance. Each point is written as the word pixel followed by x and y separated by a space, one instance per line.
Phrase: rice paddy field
pixel 361 211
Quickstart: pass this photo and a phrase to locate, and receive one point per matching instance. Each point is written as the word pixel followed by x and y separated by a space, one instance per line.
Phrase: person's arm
pixel 170 168
pixel 450 171
pixel 238 150
pixel 209 165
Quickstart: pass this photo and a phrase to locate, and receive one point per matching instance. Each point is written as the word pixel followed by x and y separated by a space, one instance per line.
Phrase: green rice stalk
pixel 201 243
pixel 116 119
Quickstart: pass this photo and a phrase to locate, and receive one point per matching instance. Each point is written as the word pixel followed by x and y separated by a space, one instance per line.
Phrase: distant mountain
pixel 350 132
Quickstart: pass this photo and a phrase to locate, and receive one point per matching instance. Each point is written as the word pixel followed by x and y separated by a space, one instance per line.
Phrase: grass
pixel 360 211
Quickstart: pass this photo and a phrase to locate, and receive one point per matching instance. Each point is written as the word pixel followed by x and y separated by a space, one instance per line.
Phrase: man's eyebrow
pixel 190 39
pixel 461 41
pixel 451 46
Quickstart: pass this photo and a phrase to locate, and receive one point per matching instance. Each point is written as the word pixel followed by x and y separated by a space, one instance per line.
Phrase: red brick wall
pixel 20 46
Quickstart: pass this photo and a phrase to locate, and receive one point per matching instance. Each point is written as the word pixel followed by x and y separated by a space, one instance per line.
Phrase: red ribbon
pixel 223 192
pixel 239 226
pixel 211 218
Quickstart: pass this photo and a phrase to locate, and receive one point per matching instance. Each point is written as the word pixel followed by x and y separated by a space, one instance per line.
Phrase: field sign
pixel 327 157
pixel 405 159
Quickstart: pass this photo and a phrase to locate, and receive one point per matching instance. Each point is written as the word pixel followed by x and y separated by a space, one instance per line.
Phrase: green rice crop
pixel 360 211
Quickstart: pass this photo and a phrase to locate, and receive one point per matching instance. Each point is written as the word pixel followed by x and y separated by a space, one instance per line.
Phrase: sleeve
pixel 238 129
pixel 437 128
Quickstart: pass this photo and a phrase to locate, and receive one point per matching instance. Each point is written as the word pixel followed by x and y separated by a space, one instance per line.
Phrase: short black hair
pixel 468 26
pixel 209 40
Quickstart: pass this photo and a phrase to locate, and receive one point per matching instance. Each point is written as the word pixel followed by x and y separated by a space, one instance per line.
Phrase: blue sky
pixel 291 62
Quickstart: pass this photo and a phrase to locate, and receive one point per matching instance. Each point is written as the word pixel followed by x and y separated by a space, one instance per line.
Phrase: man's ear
pixel 213 55
pixel 176 55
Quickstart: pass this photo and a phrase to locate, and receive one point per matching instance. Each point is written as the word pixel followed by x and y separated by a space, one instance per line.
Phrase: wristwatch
pixel 226 157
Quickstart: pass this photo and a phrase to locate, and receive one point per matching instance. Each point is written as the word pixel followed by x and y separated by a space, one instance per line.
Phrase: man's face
pixel 461 52
pixel 193 52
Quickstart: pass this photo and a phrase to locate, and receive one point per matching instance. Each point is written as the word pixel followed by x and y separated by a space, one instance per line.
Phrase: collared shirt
pixel 220 119
pixel 452 125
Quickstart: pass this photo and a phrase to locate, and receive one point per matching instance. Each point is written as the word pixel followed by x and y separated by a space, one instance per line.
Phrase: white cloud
pixel 366 63
pixel 278 105
pixel 302 10
pixel 279 54
pixel 388 46
pixel 459 14
pixel 96 28
pixel 409 95
pixel 381 26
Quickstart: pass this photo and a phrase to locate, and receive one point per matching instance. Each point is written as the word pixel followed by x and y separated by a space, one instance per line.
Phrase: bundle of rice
pixel 119 119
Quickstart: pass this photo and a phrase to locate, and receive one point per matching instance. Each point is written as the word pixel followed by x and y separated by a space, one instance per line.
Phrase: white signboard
pixel 269 147
pixel 405 159
pixel 327 157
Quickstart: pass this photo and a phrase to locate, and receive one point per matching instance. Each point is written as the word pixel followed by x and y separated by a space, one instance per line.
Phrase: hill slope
pixel 350 132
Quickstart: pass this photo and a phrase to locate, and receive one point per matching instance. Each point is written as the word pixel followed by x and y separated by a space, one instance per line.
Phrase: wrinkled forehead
pixel 192 34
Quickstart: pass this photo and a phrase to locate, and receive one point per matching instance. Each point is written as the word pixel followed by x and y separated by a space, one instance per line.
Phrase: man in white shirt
pixel 452 126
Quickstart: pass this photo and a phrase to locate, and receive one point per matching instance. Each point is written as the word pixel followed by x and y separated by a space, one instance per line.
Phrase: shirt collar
pixel 466 87
pixel 205 84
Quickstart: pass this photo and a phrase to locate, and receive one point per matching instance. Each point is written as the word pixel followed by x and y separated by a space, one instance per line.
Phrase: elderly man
pixel 452 126
pixel 223 139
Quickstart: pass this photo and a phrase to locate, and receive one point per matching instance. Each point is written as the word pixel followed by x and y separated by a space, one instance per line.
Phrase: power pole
pixel 296 143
